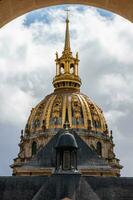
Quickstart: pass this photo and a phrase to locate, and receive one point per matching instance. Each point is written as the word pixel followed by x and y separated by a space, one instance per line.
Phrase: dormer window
pixel 66 153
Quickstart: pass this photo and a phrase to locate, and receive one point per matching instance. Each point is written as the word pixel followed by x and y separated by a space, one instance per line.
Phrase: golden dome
pixel 51 111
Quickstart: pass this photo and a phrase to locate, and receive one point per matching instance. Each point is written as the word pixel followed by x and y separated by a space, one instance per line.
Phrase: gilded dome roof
pixel 51 111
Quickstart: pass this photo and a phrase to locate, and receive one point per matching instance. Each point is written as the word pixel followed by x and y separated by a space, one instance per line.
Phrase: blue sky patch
pixel 106 14
pixel 43 15
pixel 37 16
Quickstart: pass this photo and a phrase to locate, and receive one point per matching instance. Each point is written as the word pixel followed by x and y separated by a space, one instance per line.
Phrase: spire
pixel 67 35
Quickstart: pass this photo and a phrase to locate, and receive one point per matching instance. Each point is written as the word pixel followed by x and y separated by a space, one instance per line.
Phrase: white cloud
pixel 13 103
pixel 27 67
pixel 113 115
pixel 118 88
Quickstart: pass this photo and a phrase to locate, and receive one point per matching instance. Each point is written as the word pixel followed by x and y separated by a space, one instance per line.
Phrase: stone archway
pixel 11 9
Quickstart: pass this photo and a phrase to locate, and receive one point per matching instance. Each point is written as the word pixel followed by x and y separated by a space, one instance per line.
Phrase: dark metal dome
pixel 66 140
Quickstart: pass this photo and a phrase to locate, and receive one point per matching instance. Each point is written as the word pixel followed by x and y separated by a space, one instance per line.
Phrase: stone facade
pixel 69 187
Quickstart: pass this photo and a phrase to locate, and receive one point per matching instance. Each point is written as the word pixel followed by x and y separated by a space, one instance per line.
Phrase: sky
pixel 27 53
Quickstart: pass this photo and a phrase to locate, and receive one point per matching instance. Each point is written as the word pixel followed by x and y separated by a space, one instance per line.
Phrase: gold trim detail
pixel 64 109
pixel 84 111
pixel 69 105
pixel 53 97
pixel 87 108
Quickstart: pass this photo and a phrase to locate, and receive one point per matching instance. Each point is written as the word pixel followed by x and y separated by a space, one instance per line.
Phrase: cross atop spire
pixel 67 35
pixel 67 12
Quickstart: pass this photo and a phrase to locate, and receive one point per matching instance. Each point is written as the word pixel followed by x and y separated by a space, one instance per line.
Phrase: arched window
pixel 37 123
pixel 56 122
pixel 62 68
pixel 99 148
pixel 34 148
pixel 72 68
pixel 95 123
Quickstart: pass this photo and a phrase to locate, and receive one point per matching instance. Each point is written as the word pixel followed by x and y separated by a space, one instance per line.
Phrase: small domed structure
pixel 66 140
pixel 66 153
